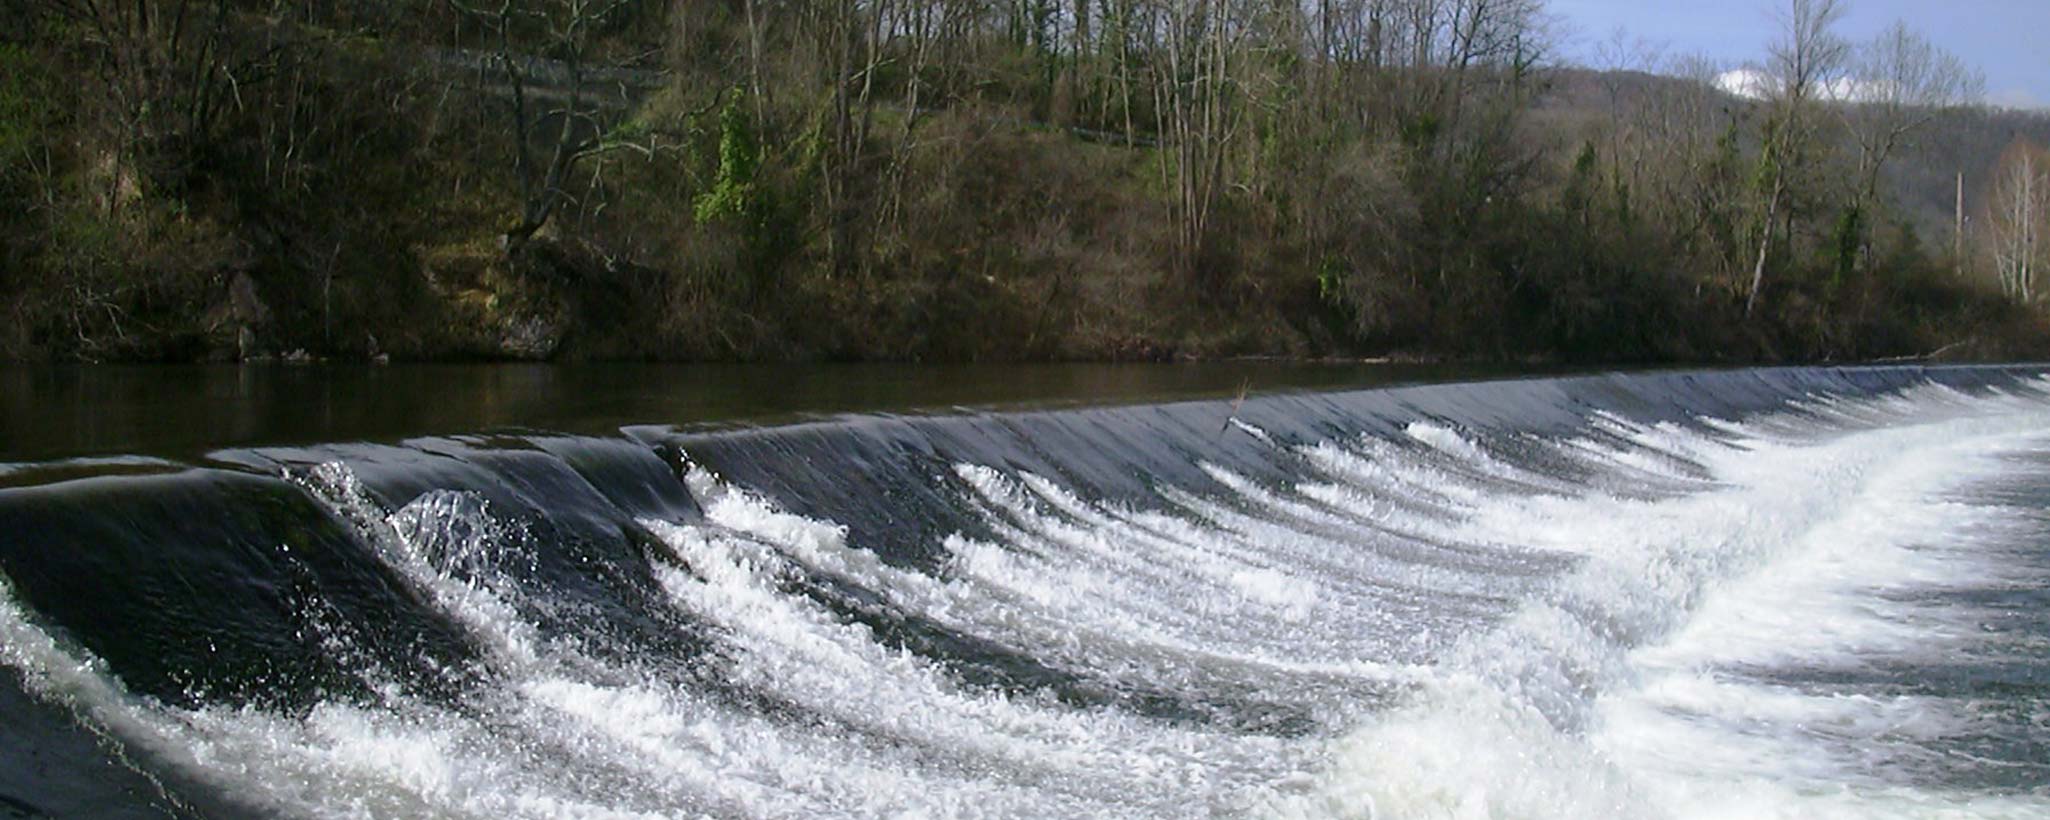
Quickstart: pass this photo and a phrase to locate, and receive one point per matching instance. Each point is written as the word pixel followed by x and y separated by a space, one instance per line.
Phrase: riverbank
pixel 362 184
pixel 565 306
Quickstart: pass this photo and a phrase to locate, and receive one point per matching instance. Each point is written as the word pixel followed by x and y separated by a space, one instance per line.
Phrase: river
pixel 1057 591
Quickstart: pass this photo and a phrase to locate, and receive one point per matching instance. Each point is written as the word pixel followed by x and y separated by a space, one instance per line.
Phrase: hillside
pixel 912 181
pixel 1922 189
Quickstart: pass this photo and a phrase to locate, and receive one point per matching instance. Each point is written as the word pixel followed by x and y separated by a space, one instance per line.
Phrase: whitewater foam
pixel 1620 618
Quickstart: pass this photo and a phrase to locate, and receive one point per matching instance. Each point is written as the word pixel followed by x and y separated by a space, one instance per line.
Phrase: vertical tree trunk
pixel 1772 208
pixel 2025 223
pixel 754 65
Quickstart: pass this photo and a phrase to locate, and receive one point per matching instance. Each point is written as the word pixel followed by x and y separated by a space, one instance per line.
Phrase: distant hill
pixel 1921 180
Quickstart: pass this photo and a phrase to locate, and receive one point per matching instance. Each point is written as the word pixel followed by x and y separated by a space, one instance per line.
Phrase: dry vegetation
pixel 987 179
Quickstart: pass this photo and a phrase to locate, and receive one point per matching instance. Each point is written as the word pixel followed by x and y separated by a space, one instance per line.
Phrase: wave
pixel 1797 592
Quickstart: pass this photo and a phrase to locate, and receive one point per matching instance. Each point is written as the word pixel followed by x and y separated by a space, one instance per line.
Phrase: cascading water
pixel 1781 593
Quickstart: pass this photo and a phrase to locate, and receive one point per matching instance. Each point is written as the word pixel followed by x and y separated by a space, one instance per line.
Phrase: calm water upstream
pixel 51 412
pixel 1056 591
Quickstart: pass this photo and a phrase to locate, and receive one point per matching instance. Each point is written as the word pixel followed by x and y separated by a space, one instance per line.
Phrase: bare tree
pixel 1800 68
pixel 2019 217
pixel 1901 82
pixel 552 99
pixel 1198 103
pixel 1632 140
pixel 170 71
pixel 1683 156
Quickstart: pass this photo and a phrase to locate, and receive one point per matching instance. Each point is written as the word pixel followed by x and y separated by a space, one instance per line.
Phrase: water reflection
pixel 179 410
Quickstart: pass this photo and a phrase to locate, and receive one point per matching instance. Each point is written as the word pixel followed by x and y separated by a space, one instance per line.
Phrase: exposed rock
pixel 238 317
pixel 244 305
pixel 246 348
pixel 530 337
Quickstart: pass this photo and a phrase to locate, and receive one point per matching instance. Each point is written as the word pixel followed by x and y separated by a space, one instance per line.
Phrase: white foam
pixel 1604 680
pixel 1812 511
pixel 1462 750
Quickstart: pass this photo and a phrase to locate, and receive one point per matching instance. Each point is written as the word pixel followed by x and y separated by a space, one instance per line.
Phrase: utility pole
pixel 1957 235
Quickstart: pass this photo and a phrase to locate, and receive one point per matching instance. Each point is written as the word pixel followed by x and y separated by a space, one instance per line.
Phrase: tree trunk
pixel 1764 246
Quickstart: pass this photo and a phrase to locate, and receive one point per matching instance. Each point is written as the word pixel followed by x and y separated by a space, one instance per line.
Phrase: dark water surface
pixel 182 410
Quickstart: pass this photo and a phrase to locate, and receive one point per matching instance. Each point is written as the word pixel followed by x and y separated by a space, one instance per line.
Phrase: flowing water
pixel 1772 593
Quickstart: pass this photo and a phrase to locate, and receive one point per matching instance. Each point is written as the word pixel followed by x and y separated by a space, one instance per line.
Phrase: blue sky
pixel 2008 39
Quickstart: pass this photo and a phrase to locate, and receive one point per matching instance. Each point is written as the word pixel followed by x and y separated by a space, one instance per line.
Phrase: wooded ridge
pixel 994 180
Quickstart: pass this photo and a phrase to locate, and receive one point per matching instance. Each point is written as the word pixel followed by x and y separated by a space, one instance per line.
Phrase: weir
pixel 1304 604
